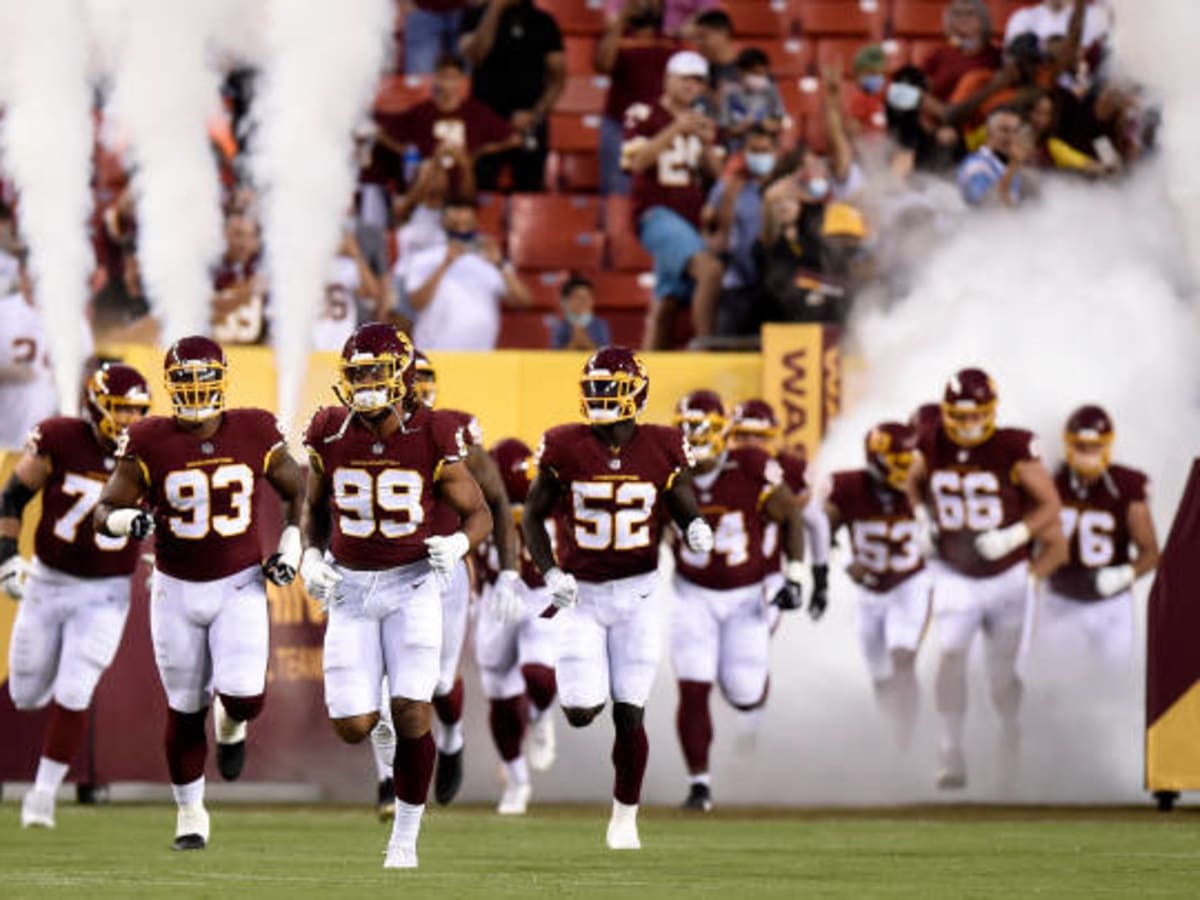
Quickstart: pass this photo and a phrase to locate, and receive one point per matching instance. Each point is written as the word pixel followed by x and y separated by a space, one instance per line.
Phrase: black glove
pixel 8 548
pixel 277 571
pixel 141 526
pixel 790 596
pixel 820 595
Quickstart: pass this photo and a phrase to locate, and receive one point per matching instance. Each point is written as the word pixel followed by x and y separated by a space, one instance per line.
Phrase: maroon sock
pixel 186 744
pixel 507 719
pixel 242 709
pixel 449 707
pixel 64 734
pixel 631 749
pixel 693 722
pixel 540 684
pixel 413 767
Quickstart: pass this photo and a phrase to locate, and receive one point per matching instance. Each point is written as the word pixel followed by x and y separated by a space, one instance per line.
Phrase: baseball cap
pixel 843 219
pixel 687 64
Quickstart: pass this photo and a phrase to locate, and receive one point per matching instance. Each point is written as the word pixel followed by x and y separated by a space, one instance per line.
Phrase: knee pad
pixel 581 716
pixel 411 718
pixel 627 717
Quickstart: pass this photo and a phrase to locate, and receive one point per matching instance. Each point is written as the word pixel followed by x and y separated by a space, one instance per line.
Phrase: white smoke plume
pixel 165 90
pixel 322 64
pixel 47 137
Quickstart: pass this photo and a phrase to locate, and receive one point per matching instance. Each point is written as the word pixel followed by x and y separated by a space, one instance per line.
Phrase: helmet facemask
pixel 425 385
pixel 705 434
pixel 1089 453
pixel 369 383
pixel 610 397
pixel 196 389
pixel 967 423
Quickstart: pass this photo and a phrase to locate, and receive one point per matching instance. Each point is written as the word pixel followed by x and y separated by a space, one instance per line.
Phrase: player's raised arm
pixel 288 480
pixel 118 513
pixel 27 479
pixel 504 532
pixel 1042 522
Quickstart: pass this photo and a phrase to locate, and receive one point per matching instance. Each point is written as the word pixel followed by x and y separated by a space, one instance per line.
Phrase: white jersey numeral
pixel 970 500
pixel 730 540
pixel 357 495
pixel 1094 530
pixel 87 493
pixel 189 493
pixel 873 540
pixel 626 528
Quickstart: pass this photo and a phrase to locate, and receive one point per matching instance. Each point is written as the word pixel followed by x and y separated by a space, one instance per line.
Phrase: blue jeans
pixel 612 179
pixel 672 240
pixel 427 35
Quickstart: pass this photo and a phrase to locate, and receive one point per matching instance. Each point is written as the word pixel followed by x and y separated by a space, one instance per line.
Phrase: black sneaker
pixel 449 776
pixel 188 842
pixel 699 798
pixel 231 759
pixel 387 800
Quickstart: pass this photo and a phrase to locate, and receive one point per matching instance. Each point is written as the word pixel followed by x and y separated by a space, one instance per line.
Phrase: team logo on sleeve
pixel 122 444
pixel 475 432
pixel 33 441
pixel 688 456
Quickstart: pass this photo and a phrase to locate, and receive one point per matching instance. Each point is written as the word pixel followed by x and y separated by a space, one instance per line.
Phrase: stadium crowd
pixel 566 174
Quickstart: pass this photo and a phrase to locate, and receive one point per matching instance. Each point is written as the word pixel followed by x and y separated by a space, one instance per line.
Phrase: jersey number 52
pixel 623 528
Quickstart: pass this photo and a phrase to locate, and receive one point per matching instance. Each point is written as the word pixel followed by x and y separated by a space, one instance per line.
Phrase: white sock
pixel 703 778
pixel 189 794
pixel 50 775
pixel 624 811
pixel 953 727
pixel 407 824
pixel 383 749
pixel 517 771
pixel 450 737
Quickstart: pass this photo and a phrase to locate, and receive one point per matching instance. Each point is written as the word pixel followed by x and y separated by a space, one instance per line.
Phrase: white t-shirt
pixel 27 392
pixel 1046 23
pixel 339 313
pixel 465 311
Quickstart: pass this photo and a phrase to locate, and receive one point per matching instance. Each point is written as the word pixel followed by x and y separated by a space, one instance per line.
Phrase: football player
pixel 893 586
pixel 456 593
pixel 1105 513
pixel 75 594
pixel 197 472
pixel 516 654
pixel 380 462
pixel 996 512
pixel 614 478
pixel 720 629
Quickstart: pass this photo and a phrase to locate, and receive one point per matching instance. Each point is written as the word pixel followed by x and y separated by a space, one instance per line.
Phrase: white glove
pixel 999 542
pixel 926 533
pixel 506 604
pixel 13 572
pixel 283 563
pixel 320 578
pixel 137 523
pixel 1114 579
pixel 699 536
pixel 564 591
pixel 445 552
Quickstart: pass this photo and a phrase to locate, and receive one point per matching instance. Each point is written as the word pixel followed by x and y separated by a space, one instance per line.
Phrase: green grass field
pixel 124 851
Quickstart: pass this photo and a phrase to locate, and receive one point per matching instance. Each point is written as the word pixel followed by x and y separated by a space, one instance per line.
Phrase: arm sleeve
pixel 1065 156
pixel 816 529
pixel 552 41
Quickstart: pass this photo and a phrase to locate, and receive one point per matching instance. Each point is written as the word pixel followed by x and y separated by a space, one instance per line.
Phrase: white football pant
pixel 894 620
pixel 456 606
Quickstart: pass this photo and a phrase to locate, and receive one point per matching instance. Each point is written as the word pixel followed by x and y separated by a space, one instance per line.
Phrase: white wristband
pixel 119 521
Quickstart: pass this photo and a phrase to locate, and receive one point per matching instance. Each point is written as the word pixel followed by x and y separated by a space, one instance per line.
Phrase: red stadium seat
pixel 583 94
pixel 757 20
pixel 623 291
pixel 555 232
pixel 625 251
pixel 576 16
pixel 523 329
pixel 574 132
pixel 838 18
pixel 563 212
pixel 575 173
pixel 546 288
pixel 398 92
pixel 490 215
pixel 579 53
pixel 835 51
pixel 800 103
pixel 918 18
pixel 790 57
pixel 628 328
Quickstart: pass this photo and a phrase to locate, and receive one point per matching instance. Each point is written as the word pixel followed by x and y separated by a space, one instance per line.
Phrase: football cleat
pixel 115 397
pixel 400 856
pixel 614 386
pixel 890 448
pixel 386 805
pixel 952 769
pixel 1088 436
pixel 622 828
pixel 969 407
pixel 449 776
pixel 540 749
pixel 37 809
pixel 699 798
pixel 194 374
pixel 515 800
pixel 191 828
pixel 231 742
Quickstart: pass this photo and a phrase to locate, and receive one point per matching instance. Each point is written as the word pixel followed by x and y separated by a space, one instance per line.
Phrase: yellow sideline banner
pixel 802 380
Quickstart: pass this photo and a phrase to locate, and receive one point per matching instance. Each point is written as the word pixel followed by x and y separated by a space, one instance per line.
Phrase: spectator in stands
pixel 120 307
pixel 752 100
pixel 968 47
pixel 733 218
pixel 518 69
pixel 352 294
pixel 240 298
pixel 922 142
pixel 994 174
pixel 1051 151
pixel 1026 70
pixel 430 29
pixel 448 120
pixel 678 16
pixel 456 289
pixel 1051 18
pixel 865 105
pixel 632 52
pixel 669 147
pixel 579 328
pixel 712 34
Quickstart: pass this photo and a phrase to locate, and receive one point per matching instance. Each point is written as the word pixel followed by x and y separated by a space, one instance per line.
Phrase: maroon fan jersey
pixel 972 490
pixel 883 530
pixel 637 74
pixel 383 488
pixel 201 490
pixel 1095 519
pixel 731 500
pixel 445 519
pixel 674 181
pixel 612 521
pixel 471 124
pixel 79 467
pixel 794 469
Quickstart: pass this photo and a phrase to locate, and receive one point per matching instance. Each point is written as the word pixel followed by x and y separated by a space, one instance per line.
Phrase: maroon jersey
pixel 637 74
pixel 79 467
pixel 201 490
pixel 731 499
pixel 883 529
pixel 612 514
pixel 674 181
pixel 471 125
pixel 1095 519
pixel 445 519
pixel 794 470
pixel 972 490
pixel 383 489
